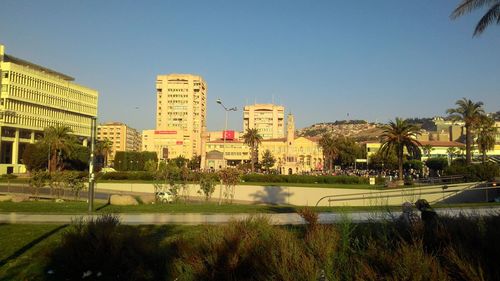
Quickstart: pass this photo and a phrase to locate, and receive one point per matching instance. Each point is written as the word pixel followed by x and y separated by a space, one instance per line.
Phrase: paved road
pixel 197 218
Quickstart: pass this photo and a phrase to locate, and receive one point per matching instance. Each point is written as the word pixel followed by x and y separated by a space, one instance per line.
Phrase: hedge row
pixel 195 176
pixel 304 179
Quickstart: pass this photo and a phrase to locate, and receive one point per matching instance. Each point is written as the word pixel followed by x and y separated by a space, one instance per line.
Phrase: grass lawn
pixel 24 246
pixel 21 246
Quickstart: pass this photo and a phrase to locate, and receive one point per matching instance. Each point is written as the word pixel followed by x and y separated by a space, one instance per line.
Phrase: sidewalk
pixel 198 218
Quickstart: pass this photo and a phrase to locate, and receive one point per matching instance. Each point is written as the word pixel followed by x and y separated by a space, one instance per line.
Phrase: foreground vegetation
pixel 452 249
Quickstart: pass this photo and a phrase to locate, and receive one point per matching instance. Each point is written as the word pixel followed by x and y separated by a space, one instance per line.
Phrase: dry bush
pixel 407 262
pixel 310 216
pixel 251 249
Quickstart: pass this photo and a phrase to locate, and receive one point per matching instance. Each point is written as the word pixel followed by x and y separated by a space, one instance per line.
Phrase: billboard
pixel 228 135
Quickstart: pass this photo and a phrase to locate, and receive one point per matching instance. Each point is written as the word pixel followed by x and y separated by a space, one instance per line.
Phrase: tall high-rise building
pixel 181 110
pixel 123 137
pixel 268 119
pixel 33 98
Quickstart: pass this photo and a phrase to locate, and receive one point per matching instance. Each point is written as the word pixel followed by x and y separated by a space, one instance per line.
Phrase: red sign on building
pixel 228 135
pixel 157 132
pixel 178 142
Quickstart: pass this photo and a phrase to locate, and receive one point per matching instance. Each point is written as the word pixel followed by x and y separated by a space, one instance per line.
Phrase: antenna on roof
pixel 272 99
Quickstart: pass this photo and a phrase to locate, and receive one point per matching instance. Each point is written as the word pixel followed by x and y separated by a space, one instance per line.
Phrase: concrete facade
pixel 180 107
pixel 123 137
pixel 268 119
pixel 33 98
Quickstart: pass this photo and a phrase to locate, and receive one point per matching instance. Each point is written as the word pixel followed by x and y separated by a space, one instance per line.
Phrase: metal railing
pixel 415 191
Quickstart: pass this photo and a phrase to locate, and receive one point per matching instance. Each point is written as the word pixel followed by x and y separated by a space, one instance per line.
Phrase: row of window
pixel 47 99
pixel 40 123
pixel 51 87
pixel 43 112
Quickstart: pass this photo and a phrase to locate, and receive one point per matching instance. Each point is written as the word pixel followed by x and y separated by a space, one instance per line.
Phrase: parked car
pixel 164 197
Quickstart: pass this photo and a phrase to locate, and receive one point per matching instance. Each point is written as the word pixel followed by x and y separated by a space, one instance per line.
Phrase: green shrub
pixel 304 179
pixel 8 177
pixel 140 175
pixel 104 250
pixel 475 172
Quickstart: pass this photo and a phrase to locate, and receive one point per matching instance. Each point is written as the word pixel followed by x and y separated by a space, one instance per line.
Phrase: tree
pixel 469 112
pixel 207 185
pixel 229 177
pixel 396 137
pixel 180 161
pixel 252 138
pixel 35 156
pixel 451 151
pixel 427 150
pixel 195 163
pixel 486 133
pixel 103 148
pixel 59 141
pixel 268 160
pixel 348 151
pixel 330 150
pixel 491 16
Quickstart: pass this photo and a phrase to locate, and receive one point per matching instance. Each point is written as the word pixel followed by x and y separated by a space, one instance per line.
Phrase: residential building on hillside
pixel 181 107
pixel 268 119
pixel 34 97
pixel 123 137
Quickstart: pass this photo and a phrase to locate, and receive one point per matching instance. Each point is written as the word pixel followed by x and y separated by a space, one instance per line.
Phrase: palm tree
pixel 491 16
pixel 330 149
pixel 427 150
pixel 396 137
pixel 486 132
pixel 104 147
pixel 59 141
pixel 469 112
pixel 252 138
pixel 451 151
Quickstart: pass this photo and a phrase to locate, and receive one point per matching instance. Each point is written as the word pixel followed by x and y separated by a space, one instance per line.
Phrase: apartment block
pixel 181 108
pixel 34 97
pixel 268 119
pixel 123 137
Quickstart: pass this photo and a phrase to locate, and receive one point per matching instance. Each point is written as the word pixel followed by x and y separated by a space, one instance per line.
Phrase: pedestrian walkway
pixel 198 218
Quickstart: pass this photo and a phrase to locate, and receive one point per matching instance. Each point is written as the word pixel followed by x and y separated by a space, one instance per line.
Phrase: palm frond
pixel 491 16
pixel 468 6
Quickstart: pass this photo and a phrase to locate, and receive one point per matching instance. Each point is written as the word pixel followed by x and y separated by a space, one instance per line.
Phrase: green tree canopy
pixel 252 138
pixel 396 137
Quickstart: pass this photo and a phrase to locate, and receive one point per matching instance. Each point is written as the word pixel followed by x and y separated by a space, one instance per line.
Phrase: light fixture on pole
pixel 93 126
pixel 224 132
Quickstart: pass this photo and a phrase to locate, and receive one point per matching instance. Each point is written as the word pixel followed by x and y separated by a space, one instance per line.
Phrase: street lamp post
pixel 224 132
pixel 91 163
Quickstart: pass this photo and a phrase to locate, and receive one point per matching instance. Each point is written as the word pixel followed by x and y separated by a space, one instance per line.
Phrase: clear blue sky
pixel 321 59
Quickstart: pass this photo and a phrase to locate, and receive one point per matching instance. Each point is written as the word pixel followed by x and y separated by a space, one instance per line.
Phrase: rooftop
pixel 12 59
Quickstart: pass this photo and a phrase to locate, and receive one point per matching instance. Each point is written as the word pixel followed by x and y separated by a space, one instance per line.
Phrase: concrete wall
pixel 309 196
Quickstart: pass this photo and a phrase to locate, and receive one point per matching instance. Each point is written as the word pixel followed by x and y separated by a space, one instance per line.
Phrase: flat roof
pixel 9 58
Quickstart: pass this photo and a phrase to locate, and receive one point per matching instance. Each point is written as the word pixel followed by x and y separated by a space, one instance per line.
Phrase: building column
pixel 85 142
pixel 15 148
pixel 32 137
